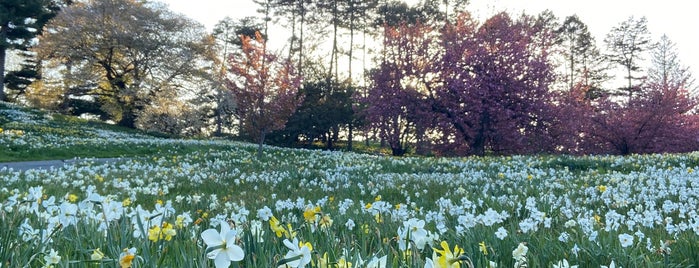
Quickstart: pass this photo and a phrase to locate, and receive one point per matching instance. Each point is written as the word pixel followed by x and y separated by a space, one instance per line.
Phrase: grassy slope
pixel 46 135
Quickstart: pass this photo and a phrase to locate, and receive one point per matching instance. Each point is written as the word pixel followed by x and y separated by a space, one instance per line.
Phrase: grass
pixel 560 207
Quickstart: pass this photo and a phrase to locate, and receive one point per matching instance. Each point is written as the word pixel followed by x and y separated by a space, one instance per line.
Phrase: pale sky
pixel 676 18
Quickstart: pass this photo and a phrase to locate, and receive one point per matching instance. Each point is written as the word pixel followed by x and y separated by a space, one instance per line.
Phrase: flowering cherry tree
pixel 495 84
pixel 481 88
pixel 398 101
pixel 265 88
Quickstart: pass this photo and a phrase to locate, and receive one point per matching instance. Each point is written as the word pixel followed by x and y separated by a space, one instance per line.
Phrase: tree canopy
pixel 131 55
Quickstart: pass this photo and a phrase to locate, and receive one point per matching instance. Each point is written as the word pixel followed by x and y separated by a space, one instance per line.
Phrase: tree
pixel 398 101
pixel 326 108
pixel 626 44
pixel 658 119
pixel 20 22
pixel 133 54
pixel 265 88
pixel 217 100
pixel 495 80
pixel 582 57
pixel 666 69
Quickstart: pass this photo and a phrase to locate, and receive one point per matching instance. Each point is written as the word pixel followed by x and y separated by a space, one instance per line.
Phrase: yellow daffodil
pixel 72 198
pixel 447 258
pixel 378 218
pixel 154 233
pixel 602 188
pixel 126 202
pixel 310 214
pixel 179 222
pixel 342 263
pixel 483 248
pixel 276 227
pixel 167 231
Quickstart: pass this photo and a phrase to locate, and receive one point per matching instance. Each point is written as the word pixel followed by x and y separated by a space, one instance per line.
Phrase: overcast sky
pixel 676 18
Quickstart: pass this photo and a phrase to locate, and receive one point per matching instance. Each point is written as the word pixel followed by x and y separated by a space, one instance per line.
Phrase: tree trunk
pixel 397 151
pixel 333 55
pixel 128 118
pixel 478 144
pixel 350 137
pixel 3 53
pixel 328 140
pixel 219 119
pixel 260 144
pixel 572 67
pixel 303 20
pixel 293 36
pixel 351 44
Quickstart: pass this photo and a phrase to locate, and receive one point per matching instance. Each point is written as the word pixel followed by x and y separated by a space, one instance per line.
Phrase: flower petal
pixel 222 260
pixel 211 238
pixel 230 237
pixel 225 228
pixel 235 252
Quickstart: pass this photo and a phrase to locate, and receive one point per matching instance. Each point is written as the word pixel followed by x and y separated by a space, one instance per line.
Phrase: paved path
pixel 47 164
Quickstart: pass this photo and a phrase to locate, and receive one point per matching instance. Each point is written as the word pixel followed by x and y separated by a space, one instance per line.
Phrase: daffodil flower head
pixel 520 255
pixel 221 247
pixel 52 258
pixel 168 231
pixel 299 254
pixel 564 264
pixel 446 258
pixel 154 233
pixel 126 258
pixel 276 227
pixel 483 248
pixel 311 214
pixel 97 255
pixel 325 221
pixel 377 262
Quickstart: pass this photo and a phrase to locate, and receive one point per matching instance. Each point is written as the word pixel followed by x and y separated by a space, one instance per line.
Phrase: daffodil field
pixel 212 203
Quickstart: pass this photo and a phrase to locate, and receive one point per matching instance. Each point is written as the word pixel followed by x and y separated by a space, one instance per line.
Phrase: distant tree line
pixel 425 78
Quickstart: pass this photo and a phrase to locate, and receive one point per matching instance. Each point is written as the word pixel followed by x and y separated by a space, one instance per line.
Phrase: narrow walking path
pixel 48 164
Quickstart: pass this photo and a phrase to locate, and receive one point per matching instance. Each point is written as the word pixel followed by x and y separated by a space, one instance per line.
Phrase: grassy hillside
pixel 28 134
pixel 335 208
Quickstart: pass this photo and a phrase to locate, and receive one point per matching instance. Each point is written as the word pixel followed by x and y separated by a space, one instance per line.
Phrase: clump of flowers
pixel 167 231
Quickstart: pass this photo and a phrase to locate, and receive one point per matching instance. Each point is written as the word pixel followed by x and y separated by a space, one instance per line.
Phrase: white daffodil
pixel 626 240
pixel 413 230
pixel 611 265
pixel 377 262
pixel 221 246
pixel 52 258
pixel 299 255
pixel 564 264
